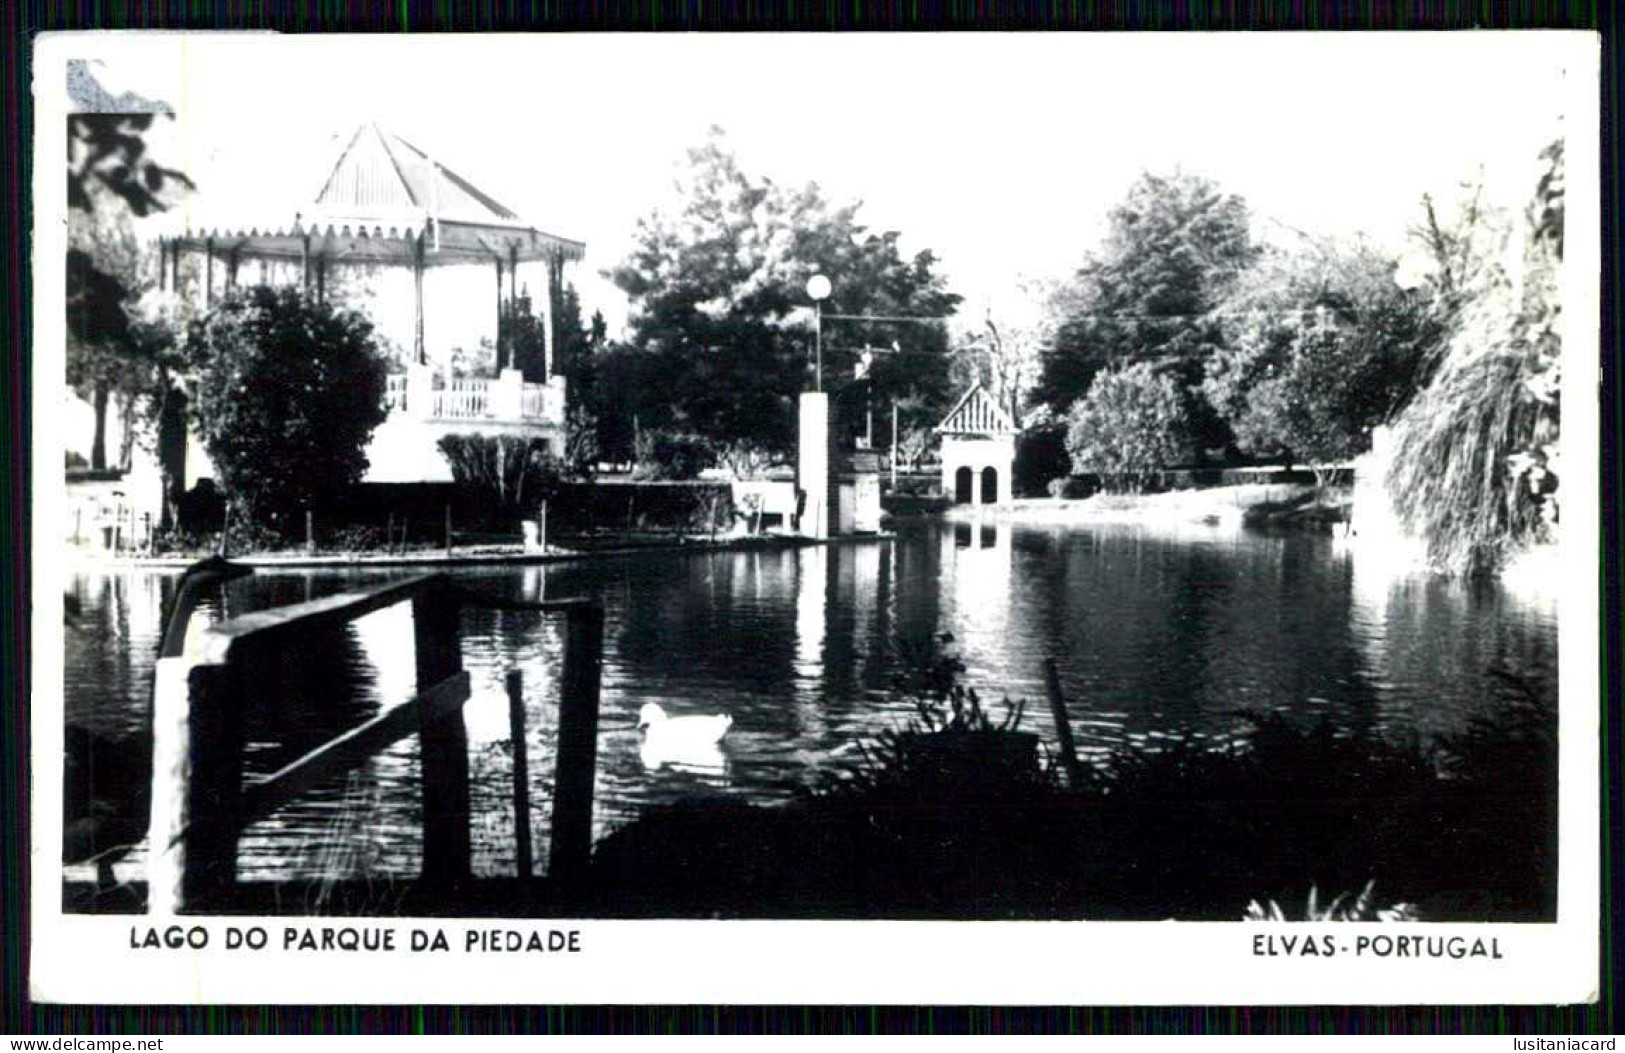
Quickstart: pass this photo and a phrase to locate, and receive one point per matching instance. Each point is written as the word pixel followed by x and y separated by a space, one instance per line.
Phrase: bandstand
pixel 384 203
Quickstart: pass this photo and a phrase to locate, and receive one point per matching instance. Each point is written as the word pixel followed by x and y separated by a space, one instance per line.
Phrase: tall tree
pixel 720 313
pixel 1175 246
pixel 1320 345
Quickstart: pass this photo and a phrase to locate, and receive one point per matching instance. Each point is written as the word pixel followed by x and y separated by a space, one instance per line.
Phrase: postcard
pixel 975 518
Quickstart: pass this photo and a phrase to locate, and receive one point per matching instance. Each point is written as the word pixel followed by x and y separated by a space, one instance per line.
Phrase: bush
pixel 510 476
pixel 1071 487
pixel 1132 423
pixel 662 455
pixel 288 393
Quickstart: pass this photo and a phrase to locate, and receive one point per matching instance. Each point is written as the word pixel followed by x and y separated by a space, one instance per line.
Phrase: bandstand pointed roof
pixel 376 198
pixel 977 414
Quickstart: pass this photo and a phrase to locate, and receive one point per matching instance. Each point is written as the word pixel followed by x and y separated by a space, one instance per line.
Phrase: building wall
pixel 998 453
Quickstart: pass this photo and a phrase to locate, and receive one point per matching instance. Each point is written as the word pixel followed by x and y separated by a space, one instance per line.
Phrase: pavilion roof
pixel 977 414
pixel 375 198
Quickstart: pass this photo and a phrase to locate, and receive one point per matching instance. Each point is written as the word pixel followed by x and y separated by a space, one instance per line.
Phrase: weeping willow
pixel 1474 470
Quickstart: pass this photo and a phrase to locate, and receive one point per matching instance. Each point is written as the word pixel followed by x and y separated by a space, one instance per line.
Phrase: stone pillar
pixel 814 478
pixel 507 394
pixel 419 390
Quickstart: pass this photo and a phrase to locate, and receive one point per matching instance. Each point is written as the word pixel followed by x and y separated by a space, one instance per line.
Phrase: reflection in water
pixel 1156 631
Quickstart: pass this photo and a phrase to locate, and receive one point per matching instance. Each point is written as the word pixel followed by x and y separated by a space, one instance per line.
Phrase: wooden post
pixel 1063 725
pixel 304 265
pixel 543 527
pixel 389 534
pixel 577 763
pixel 310 531
pixel 521 773
pixel 321 279
pixel 231 271
pixel 197 787
pixel 443 742
pixel 163 265
pixel 448 531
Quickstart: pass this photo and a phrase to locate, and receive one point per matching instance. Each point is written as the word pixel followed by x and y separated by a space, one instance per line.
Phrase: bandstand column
pixel 208 273
pixel 417 302
pixel 501 362
pixel 304 264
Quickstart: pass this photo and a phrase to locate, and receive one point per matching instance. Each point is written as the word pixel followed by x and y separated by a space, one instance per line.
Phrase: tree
pixel 1320 345
pixel 1175 247
pixel 288 393
pixel 1474 471
pixel 1132 424
pixel 719 308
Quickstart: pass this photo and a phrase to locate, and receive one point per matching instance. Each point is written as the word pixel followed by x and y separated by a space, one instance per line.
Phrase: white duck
pixel 683 742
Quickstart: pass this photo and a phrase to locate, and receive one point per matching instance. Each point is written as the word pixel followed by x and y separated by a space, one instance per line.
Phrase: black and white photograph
pixel 522 489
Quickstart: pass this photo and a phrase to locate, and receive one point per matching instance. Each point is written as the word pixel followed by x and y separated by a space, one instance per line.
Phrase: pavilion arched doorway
pixel 964 486
pixel 990 486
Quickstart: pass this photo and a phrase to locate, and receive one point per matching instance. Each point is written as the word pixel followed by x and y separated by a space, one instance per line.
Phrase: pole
pixel 448 531
pixel 894 447
pixel 818 345
pixel 543 530
pixel 1063 725
pixel 310 531
pixel 521 772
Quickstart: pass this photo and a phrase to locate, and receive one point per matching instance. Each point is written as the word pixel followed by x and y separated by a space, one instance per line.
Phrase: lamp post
pixel 818 288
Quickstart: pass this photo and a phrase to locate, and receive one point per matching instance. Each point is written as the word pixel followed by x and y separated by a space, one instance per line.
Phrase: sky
pixel 1001 153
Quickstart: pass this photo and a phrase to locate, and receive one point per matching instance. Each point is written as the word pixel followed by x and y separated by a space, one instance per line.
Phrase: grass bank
pixel 1255 504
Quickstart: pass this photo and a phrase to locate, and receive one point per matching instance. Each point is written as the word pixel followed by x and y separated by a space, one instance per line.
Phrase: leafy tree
pixel 719 309
pixel 1131 424
pixel 1175 247
pixel 1475 470
pixel 288 393
pixel 1320 345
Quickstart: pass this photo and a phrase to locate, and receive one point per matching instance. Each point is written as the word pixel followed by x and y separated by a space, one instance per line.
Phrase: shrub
pixel 288 393
pixel 1132 423
pixel 510 476
pixel 671 455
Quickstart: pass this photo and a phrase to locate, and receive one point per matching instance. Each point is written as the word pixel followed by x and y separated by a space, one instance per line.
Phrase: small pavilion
pixel 978 449
pixel 382 202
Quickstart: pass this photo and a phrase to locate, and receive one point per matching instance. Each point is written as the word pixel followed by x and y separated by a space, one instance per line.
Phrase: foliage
pixel 1320 345
pixel 288 393
pixel 671 455
pixel 108 151
pixel 1176 245
pixel 720 317
pixel 479 362
pixel 1132 423
pixel 1474 471
pixel 1041 454
pixel 512 475
pixel 1341 908
pixel 121 331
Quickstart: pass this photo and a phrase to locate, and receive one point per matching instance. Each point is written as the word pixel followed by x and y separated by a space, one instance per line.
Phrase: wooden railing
pixel 201 803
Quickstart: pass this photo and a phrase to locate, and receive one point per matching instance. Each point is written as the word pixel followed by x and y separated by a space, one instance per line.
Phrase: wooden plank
pixel 354 747
pixel 218 640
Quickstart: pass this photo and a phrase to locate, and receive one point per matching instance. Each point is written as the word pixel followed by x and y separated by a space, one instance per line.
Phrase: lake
pixel 1159 632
